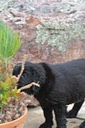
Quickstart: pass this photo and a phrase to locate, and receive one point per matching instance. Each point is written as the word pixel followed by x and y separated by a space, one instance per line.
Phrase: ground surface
pixel 35 118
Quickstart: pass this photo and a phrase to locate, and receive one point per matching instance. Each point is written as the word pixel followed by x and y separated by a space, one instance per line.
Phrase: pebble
pixel 16 13
pixel 16 116
pixel 0 121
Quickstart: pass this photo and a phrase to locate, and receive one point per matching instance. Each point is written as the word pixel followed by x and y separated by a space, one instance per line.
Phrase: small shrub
pixel 9 45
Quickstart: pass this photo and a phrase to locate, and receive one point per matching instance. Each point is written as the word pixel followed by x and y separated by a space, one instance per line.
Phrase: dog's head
pixel 31 73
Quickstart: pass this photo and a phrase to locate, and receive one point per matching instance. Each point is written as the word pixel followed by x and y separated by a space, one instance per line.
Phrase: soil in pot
pixel 13 115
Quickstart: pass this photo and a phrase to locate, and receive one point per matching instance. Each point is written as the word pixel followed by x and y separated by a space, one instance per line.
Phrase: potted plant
pixel 12 110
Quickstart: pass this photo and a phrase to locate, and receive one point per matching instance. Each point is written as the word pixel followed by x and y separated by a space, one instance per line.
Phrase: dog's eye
pixel 25 75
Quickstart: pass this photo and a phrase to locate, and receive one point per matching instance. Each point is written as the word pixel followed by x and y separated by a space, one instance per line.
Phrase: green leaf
pixel 5 86
pixel 1 77
pixel 9 42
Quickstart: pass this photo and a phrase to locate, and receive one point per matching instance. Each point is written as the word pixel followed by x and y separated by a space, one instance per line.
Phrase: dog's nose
pixel 35 89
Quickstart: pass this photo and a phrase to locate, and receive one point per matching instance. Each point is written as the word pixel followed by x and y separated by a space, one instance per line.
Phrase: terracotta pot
pixel 18 123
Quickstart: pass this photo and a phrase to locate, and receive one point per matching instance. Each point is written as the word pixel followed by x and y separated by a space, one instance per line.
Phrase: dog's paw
pixel 61 127
pixel 45 125
pixel 71 114
pixel 82 125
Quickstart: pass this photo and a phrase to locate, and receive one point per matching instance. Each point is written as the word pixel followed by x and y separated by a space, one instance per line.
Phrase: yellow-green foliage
pixel 8 90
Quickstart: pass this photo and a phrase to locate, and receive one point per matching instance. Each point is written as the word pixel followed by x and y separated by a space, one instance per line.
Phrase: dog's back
pixel 69 80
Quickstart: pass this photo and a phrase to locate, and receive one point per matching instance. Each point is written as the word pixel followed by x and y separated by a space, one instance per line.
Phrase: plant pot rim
pixel 20 119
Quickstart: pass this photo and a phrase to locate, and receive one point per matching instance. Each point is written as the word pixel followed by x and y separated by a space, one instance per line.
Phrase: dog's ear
pixel 16 70
pixel 38 74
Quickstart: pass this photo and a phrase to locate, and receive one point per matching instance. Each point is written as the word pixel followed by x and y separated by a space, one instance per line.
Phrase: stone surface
pixel 74 9
pixel 35 118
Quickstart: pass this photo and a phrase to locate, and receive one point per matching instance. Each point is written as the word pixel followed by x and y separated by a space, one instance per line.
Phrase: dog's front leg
pixel 48 118
pixel 60 116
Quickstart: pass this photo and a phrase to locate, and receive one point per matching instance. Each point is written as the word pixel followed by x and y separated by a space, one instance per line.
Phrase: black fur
pixel 60 85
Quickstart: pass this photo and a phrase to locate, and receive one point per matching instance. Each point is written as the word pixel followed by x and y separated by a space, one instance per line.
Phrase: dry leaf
pixel 32 20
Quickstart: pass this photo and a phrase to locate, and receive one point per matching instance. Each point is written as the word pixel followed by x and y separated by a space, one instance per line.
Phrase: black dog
pixel 60 85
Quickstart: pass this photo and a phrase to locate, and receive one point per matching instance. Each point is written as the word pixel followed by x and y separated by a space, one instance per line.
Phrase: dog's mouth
pixel 31 89
pixel 29 86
